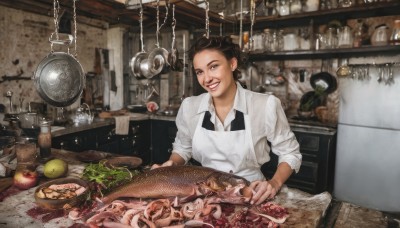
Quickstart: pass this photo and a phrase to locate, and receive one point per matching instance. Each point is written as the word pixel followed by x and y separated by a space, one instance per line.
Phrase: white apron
pixel 228 151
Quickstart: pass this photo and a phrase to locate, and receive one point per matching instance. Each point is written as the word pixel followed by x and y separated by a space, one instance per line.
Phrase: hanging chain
pixel 75 29
pixel 56 9
pixel 166 15
pixel 141 25
pixel 241 25
pixel 173 27
pixel 207 20
pixel 158 20
pixel 252 17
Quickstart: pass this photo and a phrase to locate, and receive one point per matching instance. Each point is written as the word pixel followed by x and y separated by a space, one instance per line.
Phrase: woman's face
pixel 215 72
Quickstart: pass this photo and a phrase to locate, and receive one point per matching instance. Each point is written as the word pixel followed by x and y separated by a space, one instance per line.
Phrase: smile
pixel 213 86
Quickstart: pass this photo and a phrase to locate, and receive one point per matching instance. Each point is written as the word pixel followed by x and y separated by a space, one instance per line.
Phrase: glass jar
pixel 380 36
pixel 345 37
pixel 395 36
pixel 295 6
pixel 44 139
pixel 274 41
pixel 283 7
pixel 331 38
pixel 267 40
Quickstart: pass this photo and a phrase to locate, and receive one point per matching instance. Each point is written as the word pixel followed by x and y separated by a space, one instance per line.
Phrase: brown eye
pixel 198 72
pixel 213 66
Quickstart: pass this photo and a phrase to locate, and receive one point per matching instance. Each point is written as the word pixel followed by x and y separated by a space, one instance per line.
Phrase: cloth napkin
pixel 121 125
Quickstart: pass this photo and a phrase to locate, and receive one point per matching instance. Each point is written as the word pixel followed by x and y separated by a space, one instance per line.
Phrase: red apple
pixel 25 179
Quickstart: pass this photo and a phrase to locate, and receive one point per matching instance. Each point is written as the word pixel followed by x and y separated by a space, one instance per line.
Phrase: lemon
pixel 55 168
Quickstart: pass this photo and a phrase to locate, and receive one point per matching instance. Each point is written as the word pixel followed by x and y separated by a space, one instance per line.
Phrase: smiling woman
pixel 228 127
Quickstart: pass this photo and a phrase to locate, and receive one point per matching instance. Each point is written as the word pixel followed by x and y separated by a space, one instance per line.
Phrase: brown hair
pixel 223 44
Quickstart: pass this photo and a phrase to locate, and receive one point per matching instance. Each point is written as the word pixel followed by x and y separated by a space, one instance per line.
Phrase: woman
pixel 228 127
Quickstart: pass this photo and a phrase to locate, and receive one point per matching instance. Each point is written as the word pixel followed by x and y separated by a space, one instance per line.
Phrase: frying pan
pixel 324 80
pixel 59 79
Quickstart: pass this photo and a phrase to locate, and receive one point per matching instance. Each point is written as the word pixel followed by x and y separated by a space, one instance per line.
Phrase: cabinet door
pixel 162 136
pixel 139 140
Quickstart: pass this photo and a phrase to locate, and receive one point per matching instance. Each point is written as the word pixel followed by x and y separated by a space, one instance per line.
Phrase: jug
pixel 345 37
pixel 380 36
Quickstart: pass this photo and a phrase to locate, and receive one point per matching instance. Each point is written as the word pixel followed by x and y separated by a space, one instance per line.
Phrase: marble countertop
pixel 305 210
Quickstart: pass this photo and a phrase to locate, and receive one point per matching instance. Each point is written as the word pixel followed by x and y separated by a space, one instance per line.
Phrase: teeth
pixel 213 85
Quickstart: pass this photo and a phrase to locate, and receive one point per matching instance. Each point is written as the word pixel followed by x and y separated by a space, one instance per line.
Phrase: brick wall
pixel 24 43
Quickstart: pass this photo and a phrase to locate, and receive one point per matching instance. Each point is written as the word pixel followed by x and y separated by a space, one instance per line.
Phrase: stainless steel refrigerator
pixel 367 170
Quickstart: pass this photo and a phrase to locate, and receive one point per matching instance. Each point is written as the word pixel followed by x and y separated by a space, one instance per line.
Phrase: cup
pixel 26 151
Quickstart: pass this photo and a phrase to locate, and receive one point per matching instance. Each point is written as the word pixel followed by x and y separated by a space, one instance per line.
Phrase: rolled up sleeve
pixel 183 140
pixel 283 141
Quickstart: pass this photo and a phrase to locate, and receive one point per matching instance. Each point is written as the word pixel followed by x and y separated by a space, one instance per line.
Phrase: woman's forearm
pixel 177 159
pixel 282 173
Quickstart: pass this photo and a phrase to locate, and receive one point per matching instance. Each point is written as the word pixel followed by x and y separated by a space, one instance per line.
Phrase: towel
pixel 122 125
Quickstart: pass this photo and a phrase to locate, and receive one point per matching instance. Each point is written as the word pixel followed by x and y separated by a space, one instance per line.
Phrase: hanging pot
pixel 135 62
pixel 59 79
pixel 158 60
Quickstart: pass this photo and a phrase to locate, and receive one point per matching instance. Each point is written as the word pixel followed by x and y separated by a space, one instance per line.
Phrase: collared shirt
pixel 268 123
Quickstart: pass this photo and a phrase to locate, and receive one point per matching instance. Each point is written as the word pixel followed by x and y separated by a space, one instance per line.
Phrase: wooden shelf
pixel 377 9
pixel 327 53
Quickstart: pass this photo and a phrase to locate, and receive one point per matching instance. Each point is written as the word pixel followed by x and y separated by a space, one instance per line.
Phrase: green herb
pixel 319 92
pixel 107 177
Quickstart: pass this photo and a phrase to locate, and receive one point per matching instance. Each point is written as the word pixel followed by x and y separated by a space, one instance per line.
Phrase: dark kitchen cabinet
pixel 136 143
pixel 162 136
pixel 317 169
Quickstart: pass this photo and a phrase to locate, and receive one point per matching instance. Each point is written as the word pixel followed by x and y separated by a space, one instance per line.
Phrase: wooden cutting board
pixel 5 183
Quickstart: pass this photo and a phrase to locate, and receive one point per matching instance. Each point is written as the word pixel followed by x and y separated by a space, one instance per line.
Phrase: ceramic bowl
pixel 54 204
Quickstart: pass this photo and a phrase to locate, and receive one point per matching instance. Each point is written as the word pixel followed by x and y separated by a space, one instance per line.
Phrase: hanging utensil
pixel 59 77
pixel 135 63
pixel 158 58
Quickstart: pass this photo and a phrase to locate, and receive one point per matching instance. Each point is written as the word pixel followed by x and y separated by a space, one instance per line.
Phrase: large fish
pixel 181 181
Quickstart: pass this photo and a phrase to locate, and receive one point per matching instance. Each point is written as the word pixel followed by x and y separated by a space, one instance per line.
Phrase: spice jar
pixel 44 139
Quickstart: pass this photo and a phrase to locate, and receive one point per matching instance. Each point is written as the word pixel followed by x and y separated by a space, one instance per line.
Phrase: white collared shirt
pixel 268 123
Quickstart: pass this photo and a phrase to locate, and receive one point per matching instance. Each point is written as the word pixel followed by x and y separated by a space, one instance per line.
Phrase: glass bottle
pixel 44 139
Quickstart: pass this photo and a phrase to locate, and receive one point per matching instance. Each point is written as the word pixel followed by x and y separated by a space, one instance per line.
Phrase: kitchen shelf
pixel 327 53
pixel 320 17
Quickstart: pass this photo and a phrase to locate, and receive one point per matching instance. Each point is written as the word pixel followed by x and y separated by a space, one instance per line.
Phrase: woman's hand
pixel 167 163
pixel 264 190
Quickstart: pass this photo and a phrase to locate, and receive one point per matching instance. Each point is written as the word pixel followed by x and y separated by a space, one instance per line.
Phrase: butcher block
pixel 20 210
